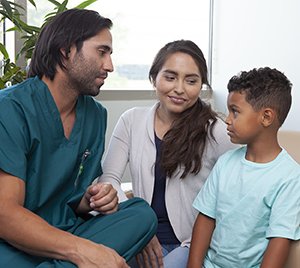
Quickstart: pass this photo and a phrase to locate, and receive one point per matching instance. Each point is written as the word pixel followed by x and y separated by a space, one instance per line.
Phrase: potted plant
pixel 12 74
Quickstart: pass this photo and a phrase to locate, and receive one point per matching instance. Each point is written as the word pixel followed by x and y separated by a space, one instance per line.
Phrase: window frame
pixel 127 93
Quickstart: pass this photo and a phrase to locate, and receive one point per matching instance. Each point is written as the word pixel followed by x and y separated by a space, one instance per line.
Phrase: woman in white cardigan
pixel 171 149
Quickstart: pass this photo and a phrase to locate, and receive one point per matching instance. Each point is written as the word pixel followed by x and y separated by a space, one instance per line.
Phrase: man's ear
pixel 67 54
pixel 63 52
pixel 268 117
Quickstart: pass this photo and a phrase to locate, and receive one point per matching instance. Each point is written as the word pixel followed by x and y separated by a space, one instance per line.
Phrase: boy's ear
pixel 268 117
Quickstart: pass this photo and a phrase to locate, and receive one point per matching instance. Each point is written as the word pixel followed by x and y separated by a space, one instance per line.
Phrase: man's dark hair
pixel 264 88
pixel 72 26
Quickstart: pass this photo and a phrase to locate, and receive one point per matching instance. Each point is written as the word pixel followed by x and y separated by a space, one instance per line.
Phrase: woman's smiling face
pixel 178 84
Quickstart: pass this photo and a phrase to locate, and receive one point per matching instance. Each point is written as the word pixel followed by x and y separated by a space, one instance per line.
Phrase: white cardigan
pixel 133 141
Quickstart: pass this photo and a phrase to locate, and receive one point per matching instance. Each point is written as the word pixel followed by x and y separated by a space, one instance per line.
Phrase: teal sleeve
pixel 13 139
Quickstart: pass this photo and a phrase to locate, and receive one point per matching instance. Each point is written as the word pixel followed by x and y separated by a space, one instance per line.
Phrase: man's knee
pixel 141 211
pixel 12 257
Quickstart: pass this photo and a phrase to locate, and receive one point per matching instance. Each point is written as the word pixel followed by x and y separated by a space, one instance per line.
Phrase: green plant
pixel 11 73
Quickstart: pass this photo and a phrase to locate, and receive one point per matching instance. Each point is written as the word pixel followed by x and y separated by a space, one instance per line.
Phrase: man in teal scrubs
pixel 51 144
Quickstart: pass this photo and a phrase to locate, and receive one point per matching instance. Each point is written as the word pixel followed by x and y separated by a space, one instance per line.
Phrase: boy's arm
pixel 202 233
pixel 276 253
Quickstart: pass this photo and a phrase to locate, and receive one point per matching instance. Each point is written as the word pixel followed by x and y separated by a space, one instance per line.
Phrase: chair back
pixel 290 141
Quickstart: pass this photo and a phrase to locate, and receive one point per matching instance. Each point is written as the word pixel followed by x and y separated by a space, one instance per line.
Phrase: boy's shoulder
pixel 235 154
pixel 283 165
pixel 286 160
pixel 241 151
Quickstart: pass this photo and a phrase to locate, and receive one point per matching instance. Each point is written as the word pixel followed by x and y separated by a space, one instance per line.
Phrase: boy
pixel 249 206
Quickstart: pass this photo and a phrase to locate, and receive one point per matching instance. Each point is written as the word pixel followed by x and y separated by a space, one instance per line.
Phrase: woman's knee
pixel 177 258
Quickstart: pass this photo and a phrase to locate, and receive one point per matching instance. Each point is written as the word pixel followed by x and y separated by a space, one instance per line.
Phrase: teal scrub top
pixel 33 148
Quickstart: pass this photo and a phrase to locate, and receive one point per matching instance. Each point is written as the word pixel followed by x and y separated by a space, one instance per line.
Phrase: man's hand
pixel 99 256
pixel 101 197
pixel 152 251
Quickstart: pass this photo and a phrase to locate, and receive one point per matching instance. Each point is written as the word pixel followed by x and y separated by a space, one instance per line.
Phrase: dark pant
pixel 127 231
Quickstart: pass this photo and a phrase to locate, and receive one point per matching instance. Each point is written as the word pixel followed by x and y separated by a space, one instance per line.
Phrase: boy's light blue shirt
pixel 251 202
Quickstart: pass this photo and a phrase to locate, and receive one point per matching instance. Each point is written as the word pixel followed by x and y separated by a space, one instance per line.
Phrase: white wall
pixel 256 33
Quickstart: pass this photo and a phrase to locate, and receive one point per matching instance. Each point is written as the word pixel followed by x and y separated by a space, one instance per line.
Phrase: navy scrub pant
pixel 127 231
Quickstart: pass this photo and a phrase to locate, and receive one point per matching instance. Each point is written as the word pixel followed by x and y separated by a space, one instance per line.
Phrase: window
pixel 140 29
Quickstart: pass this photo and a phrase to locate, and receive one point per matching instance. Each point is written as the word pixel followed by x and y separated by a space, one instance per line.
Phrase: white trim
pixel 125 94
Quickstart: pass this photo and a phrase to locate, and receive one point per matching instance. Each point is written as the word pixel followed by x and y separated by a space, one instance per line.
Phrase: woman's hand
pixel 101 197
pixel 153 252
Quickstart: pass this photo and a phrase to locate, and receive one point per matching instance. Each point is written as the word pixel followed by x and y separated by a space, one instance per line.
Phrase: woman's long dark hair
pixel 185 141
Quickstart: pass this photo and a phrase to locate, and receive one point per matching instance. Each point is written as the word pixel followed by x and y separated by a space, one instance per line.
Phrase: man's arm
pixel 30 233
pixel 276 253
pixel 202 233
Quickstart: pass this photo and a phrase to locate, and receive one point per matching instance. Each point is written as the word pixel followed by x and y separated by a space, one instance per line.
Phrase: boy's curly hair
pixel 264 88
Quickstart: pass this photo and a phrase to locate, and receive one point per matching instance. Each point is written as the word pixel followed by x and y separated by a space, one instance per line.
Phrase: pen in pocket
pixel 85 154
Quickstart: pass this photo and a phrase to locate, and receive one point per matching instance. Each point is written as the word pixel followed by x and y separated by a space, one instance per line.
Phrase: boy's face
pixel 244 124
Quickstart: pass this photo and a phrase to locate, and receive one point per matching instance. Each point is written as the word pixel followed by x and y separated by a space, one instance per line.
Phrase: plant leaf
pixel 86 3
pixel 15 28
pixel 16 5
pixel 31 29
pixel 6 66
pixel 4 51
pixel 50 15
pixel 54 2
pixel 7 8
pixel 4 14
pixel 1 83
pixel 62 7
pixel 32 2
pixel 17 79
